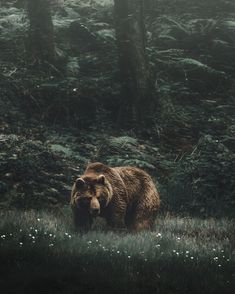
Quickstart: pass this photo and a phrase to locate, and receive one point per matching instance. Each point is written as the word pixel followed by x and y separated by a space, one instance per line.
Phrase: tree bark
pixel 41 34
pixel 134 67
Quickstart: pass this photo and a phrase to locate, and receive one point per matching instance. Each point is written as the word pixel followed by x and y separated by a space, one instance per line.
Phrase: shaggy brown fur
pixel 124 196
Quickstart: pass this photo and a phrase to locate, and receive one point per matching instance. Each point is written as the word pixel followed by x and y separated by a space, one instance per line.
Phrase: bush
pixel 29 173
pixel 205 177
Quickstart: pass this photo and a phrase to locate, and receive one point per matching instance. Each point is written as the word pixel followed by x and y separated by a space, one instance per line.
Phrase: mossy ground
pixel 41 253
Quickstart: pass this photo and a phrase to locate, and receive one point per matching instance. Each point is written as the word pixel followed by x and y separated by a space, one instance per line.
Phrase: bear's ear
pixel 101 180
pixel 79 183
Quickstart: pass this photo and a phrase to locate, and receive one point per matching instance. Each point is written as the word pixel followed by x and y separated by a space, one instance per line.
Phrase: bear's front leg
pixel 117 218
pixel 82 220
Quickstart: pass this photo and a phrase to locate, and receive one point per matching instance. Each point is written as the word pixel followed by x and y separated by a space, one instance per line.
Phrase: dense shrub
pixel 29 173
pixel 205 178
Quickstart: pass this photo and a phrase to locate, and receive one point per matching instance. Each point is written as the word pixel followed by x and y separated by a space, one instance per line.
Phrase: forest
pixel 141 83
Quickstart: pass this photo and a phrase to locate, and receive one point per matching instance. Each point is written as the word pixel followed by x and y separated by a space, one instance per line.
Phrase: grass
pixel 39 252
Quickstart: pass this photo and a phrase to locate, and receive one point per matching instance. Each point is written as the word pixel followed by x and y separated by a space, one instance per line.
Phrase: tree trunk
pixel 134 68
pixel 41 35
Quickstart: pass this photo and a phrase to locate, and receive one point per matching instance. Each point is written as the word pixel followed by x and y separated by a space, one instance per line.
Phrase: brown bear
pixel 125 196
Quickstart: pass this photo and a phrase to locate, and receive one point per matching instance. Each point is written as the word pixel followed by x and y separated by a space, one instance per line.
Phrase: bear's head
pixel 92 193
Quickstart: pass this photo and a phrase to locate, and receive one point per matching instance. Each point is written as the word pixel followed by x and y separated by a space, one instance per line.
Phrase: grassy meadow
pixel 39 252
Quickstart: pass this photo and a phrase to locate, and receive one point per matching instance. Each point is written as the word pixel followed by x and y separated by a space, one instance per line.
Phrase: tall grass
pixel 40 252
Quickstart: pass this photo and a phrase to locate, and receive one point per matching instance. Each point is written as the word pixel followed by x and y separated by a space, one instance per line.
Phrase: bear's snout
pixel 94 206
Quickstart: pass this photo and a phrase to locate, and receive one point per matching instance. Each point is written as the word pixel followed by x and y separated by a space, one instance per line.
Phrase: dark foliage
pixel 189 145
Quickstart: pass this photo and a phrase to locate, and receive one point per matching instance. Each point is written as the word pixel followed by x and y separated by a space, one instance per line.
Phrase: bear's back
pixel 127 181
pixel 136 180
